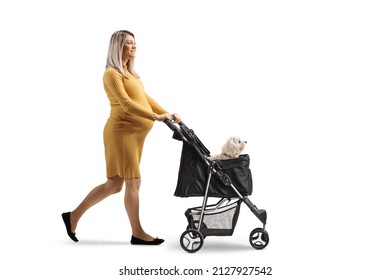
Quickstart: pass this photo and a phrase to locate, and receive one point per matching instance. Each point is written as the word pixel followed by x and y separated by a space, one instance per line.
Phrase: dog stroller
pixel 230 180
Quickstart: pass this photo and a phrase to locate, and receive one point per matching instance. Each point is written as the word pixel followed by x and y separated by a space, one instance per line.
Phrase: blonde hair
pixel 115 49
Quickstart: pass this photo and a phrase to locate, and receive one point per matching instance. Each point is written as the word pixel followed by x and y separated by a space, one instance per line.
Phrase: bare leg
pixel 132 208
pixel 113 185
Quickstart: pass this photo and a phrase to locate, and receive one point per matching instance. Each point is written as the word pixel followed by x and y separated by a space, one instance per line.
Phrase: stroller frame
pixel 192 238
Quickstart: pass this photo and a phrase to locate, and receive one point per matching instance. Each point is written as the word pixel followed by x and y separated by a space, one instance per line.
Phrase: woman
pixel 133 113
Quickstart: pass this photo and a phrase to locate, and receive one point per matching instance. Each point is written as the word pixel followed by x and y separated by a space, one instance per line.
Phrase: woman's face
pixel 129 48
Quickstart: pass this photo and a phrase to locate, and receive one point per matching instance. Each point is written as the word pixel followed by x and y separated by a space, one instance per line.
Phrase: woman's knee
pixel 115 184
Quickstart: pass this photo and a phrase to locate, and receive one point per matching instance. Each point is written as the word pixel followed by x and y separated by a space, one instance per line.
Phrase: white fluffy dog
pixel 231 149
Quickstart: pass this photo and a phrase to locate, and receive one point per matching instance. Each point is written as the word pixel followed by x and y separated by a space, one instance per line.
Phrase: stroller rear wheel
pixel 191 240
pixel 259 238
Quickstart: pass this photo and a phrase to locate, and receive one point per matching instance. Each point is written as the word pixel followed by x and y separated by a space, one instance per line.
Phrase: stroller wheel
pixel 259 238
pixel 191 240
pixel 204 227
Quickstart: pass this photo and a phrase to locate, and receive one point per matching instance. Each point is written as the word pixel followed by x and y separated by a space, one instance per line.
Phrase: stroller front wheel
pixel 259 238
pixel 195 226
pixel 191 240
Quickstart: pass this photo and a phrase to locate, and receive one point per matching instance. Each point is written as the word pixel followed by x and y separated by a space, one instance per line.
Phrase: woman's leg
pixel 132 208
pixel 113 185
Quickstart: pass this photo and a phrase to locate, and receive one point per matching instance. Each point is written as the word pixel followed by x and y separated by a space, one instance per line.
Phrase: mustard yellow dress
pixel 131 119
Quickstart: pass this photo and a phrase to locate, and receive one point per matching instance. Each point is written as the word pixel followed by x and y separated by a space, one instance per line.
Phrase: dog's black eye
pixel 239 141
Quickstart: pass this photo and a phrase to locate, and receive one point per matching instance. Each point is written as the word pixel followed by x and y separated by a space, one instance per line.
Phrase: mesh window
pixel 223 220
pixel 219 221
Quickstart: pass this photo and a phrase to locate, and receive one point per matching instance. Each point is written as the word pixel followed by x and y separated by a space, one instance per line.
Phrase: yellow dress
pixel 131 119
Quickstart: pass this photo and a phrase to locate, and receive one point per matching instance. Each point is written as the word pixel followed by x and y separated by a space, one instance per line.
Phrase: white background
pixel 305 82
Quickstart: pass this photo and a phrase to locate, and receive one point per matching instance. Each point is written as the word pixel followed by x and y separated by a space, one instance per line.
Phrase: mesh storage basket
pixel 216 221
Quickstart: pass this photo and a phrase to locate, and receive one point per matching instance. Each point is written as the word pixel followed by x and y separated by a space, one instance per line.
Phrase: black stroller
pixel 230 180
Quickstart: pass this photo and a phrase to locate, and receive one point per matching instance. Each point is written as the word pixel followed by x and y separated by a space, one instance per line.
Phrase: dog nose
pixel 245 142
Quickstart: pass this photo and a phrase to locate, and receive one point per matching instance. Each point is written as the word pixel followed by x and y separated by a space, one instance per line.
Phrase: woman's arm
pixel 160 113
pixel 155 106
pixel 114 84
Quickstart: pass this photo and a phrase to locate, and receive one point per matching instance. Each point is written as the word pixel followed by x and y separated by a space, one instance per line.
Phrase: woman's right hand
pixel 162 117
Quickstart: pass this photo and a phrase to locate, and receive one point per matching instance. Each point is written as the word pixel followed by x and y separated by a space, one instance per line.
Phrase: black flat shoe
pixel 137 241
pixel 66 218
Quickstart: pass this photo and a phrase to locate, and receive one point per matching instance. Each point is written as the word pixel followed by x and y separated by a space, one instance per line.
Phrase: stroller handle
pixel 171 123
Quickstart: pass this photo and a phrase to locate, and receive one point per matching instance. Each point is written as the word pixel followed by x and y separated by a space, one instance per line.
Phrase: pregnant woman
pixel 132 116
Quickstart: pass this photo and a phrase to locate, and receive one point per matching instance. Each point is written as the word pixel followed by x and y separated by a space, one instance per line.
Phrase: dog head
pixel 233 147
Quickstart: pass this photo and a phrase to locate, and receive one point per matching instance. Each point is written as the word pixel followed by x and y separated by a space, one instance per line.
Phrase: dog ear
pixel 233 147
pixel 236 147
pixel 239 146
